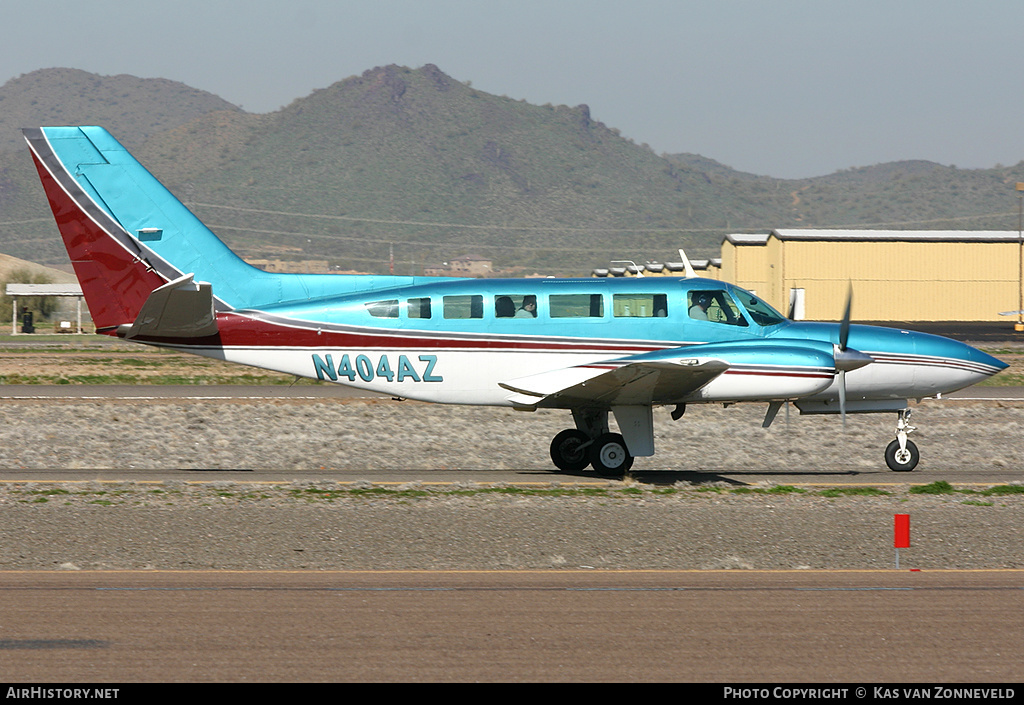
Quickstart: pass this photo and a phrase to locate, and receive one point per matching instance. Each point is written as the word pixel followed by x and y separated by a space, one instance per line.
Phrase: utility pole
pixel 1019 325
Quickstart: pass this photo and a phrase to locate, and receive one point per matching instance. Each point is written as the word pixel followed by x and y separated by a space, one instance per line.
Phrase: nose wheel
pixel 902 459
pixel 902 455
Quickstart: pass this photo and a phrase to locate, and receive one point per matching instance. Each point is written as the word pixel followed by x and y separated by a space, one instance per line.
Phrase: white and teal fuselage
pixel 152 272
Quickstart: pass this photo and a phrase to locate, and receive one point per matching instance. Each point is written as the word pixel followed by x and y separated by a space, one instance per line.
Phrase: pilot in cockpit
pixel 699 302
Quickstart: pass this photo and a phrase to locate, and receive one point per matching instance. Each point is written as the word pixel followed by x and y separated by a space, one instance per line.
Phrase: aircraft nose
pixel 956 365
pixel 988 364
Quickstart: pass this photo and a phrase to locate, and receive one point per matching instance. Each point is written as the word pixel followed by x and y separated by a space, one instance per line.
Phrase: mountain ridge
pixel 415 162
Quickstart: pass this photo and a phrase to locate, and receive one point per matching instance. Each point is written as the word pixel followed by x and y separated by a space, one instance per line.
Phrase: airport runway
pixel 730 627
pixel 529 477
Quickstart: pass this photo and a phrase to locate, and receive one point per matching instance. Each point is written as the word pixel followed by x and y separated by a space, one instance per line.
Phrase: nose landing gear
pixel 902 455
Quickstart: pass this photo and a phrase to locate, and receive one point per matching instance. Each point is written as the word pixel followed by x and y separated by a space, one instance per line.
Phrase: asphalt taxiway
pixel 847 627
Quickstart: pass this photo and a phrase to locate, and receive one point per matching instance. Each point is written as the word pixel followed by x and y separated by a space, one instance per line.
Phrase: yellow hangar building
pixel 896 275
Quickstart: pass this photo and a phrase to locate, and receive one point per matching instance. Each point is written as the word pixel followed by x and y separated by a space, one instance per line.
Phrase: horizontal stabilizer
pixel 615 383
pixel 182 308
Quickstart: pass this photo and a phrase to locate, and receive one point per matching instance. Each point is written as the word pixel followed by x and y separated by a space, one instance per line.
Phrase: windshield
pixel 761 313
pixel 715 306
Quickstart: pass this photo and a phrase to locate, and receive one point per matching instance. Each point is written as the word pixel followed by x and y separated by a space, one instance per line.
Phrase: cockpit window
pixel 715 306
pixel 761 313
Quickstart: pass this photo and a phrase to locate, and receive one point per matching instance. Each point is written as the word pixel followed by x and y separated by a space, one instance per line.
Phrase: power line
pixel 25 222
pixel 948 219
pixel 558 228
pixel 537 228
pixel 416 243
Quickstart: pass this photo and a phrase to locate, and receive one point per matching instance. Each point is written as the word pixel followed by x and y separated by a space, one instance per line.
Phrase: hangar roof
pixel 44 290
pixel 839 235
pixel 747 238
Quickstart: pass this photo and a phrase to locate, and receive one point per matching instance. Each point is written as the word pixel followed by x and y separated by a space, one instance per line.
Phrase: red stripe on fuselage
pixel 249 331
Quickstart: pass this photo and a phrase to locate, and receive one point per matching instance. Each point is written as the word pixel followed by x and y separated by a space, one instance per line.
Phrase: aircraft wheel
pixel 904 461
pixel 569 450
pixel 609 455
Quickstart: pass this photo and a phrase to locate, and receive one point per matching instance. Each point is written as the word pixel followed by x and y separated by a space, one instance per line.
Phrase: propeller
pixel 844 325
pixel 846 358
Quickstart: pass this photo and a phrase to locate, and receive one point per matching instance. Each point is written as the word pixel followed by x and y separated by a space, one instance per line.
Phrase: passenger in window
pixel 504 307
pixel 529 307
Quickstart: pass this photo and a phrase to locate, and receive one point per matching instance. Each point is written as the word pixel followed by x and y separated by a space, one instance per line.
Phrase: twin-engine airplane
pixel 151 272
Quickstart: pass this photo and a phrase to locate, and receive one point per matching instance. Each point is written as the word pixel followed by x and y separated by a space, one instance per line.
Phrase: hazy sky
pixel 787 88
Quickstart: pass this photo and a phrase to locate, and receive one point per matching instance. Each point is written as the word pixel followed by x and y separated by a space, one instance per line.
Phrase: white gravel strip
pixel 174 525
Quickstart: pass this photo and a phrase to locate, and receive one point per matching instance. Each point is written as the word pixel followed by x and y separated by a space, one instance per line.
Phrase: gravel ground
pixel 261 527
pixel 368 434
pixel 322 526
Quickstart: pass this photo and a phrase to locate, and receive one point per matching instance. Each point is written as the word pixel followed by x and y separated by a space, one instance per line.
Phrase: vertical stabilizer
pixel 115 276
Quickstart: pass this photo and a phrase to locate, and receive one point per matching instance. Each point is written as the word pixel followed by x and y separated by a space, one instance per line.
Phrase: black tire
pixel 609 455
pixel 568 452
pixel 902 462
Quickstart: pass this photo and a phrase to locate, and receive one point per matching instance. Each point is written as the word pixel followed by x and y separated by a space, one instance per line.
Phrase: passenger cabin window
pixel 383 309
pixel 715 306
pixel 576 305
pixel 418 308
pixel 640 305
pixel 515 306
pixel 468 306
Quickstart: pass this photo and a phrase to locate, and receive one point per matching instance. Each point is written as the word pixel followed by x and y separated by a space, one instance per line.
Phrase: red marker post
pixel 901 535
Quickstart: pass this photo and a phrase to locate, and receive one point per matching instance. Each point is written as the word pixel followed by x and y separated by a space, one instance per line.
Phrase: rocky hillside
pixel 414 162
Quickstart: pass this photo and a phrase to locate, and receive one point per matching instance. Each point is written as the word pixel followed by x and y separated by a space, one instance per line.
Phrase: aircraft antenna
pixel 690 274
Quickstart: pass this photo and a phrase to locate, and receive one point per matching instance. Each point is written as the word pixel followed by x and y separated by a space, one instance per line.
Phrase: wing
pixel 751 370
pixel 618 382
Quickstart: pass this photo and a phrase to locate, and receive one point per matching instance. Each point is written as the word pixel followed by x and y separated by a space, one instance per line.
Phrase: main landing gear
pixel 591 444
pixel 572 451
pixel 902 454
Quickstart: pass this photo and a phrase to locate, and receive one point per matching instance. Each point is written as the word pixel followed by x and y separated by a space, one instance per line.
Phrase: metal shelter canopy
pixel 64 290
